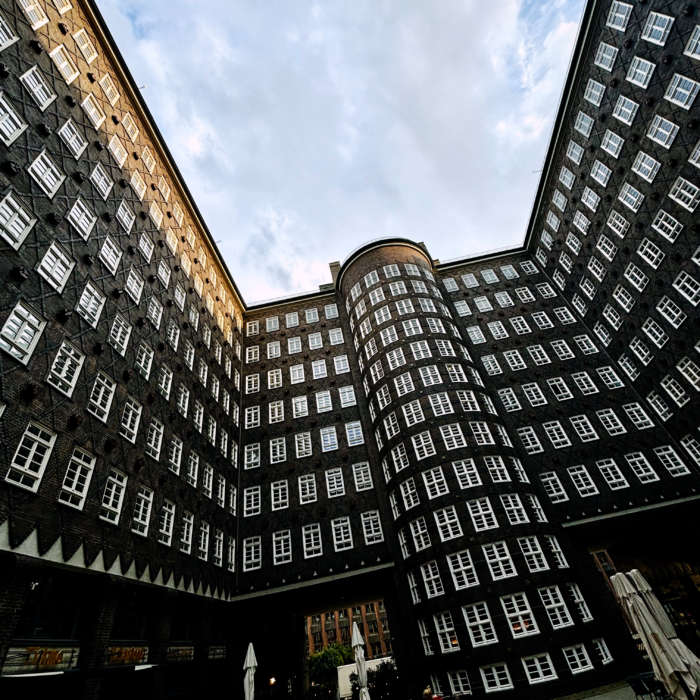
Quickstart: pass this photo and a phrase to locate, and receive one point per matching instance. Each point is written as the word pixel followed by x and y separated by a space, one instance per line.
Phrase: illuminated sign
pixel 121 656
pixel 38 659
pixel 173 654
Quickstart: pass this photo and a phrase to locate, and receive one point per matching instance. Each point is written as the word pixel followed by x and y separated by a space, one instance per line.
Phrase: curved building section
pixel 485 574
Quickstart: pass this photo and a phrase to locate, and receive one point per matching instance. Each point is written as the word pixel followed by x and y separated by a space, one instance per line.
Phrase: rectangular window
pixel 38 88
pixel 21 332
pixel 31 457
pixel 46 174
pixel 113 496
pixel 479 624
pixel 65 368
pixel 640 72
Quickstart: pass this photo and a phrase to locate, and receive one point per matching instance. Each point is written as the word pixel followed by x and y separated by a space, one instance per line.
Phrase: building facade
pixel 335 627
pixel 184 472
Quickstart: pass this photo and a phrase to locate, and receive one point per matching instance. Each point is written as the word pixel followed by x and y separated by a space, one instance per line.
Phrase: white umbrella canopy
pixel 249 666
pixel 657 610
pixel 358 647
pixel 667 663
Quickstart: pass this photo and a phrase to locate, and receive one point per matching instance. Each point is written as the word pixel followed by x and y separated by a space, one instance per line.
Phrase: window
pixel 625 110
pixel 342 535
pixel 605 56
pixel 514 509
pixel 499 561
pixel 509 400
pixel 11 124
pixel 618 17
pixel 556 608
pixel 7 36
pixel 94 112
pixel 65 368
pixel 113 496
pixel 446 632
pixel 657 28
pixel 131 416
pixel 640 72
pixel 116 148
pixel 85 45
pixel 532 552
pixel 112 95
pixel 21 333
pixel 530 440
pixel 610 421
pixel 142 510
pixel 553 487
pixel 688 286
pixel 77 479
pixel 251 501
pixel 362 476
pixel 110 254
pixel 55 266
pixel 582 481
pixel 311 535
pixel 482 514
pixel 38 88
pixel 556 434
pixel 31 457
pixel 495 677
pixel 668 457
pixel 685 193
pixel 423 445
pixel 46 174
pixel 371 527
pixel 479 624
pixel 612 474
pixel 448 523
pixel 645 166
pixel 252 553
pixel 663 132
pixel 682 91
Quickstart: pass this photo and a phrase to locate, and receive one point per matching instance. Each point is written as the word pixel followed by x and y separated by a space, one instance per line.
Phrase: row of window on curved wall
pixel 464 475
pixel 441 404
pixel 312 540
pixel 430 376
pixel 410 327
pixel 532 670
pixel 452 437
pixel 466 570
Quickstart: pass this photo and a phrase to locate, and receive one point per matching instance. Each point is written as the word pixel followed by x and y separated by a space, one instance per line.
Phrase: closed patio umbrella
pixel 657 610
pixel 249 666
pixel 358 647
pixel 669 667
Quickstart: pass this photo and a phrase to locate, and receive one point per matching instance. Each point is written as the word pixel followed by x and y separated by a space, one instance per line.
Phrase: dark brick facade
pixel 455 444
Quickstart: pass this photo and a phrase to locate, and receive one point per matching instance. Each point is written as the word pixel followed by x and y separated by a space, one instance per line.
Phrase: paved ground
pixel 623 693
pixel 617 691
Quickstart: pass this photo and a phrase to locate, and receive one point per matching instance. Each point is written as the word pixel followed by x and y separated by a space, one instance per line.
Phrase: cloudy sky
pixel 305 129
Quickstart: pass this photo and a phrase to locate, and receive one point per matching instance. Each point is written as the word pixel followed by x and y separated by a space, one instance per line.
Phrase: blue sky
pixel 304 130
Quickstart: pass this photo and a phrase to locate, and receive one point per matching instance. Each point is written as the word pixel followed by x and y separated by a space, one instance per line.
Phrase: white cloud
pixel 305 129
